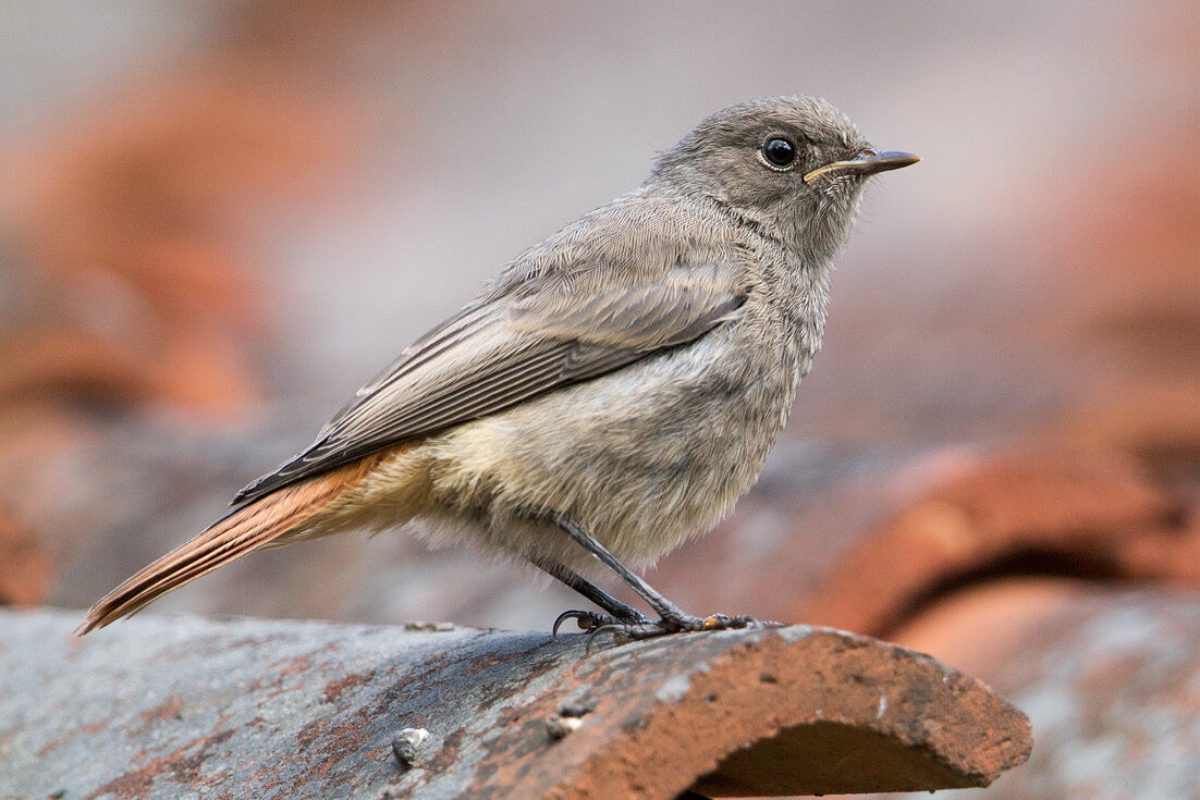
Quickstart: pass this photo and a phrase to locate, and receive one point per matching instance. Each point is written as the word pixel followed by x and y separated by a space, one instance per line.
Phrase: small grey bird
pixel 611 393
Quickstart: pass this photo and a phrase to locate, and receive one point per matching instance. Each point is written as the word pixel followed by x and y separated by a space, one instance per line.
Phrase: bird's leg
pixel 618 612
pixel 672 617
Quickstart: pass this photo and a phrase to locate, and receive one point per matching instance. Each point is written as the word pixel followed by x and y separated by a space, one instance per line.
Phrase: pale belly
pixel 642 459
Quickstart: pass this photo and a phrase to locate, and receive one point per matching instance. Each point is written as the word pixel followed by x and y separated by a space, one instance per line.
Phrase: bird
pixel 610 394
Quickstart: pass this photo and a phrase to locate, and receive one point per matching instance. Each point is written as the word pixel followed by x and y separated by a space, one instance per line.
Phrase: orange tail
pixel 295 509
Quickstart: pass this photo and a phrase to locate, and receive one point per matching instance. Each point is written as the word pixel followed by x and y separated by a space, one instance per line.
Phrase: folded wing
pixel 517 344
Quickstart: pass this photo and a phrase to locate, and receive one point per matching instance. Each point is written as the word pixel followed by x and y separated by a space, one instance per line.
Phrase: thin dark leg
pixel 665 608
pixel 672 618
pixel 592 592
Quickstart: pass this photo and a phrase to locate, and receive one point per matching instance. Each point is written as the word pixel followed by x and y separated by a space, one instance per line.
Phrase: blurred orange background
pixel 218 219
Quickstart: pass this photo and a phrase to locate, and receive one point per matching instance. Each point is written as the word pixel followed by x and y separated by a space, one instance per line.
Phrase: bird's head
pixel 795 165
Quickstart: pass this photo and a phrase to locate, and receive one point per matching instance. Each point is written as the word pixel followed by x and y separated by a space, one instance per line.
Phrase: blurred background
pixel 218 219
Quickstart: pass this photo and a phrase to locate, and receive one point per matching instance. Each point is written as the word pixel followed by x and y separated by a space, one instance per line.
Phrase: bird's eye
pixel 778 153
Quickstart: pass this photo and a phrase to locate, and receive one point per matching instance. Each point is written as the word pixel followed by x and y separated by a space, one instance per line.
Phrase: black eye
pixel 778 153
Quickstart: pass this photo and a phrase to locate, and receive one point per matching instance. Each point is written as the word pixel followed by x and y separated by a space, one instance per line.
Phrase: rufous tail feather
pixel 292 509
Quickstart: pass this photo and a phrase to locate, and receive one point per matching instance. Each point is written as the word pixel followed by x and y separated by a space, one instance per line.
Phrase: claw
pixel 586 620
pixel 592 622
pixel 594 632
pixel 630 630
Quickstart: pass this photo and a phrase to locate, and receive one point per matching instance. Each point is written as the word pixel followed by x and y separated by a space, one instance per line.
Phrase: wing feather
pixel 515 345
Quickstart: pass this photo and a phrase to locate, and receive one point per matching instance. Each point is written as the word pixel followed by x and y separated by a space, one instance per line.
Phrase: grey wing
pixel 497 353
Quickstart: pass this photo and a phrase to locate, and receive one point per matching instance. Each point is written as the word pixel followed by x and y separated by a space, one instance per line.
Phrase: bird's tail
pixel 290 511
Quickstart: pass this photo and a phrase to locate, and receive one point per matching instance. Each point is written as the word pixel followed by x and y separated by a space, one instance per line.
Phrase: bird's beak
pixel 868 162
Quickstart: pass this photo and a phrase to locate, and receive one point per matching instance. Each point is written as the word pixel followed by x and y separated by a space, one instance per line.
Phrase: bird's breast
pixel 642 457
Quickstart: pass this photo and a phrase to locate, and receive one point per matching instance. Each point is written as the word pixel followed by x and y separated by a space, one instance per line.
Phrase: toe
pixel 586 620
pixel 720 622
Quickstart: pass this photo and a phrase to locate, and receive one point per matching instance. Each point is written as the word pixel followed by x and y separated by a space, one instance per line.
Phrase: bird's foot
pixel 592 621
pixel 676 623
